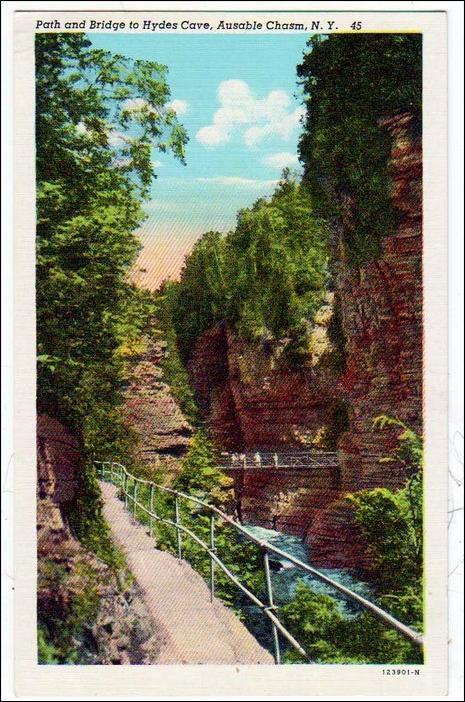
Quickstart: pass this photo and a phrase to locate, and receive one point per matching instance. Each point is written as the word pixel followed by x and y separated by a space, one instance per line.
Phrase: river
pixel 286 576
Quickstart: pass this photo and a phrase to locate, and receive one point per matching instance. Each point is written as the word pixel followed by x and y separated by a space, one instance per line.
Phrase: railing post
pixel 151 508
pixel 212 562
pixel 136 487
pixel 269 592
pixel 125 490
pixel 178 531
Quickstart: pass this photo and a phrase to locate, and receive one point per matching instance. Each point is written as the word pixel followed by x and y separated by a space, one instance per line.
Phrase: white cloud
pixel 212 135
pixel 282 127
pixel 157 164
pixel 117 139
pixel 134 105
pixel 179 106
pixel 261 117
pixel 281 160
pixel 236 181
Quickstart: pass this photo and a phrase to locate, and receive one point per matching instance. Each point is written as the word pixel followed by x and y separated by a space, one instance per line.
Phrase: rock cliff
pixel 252 399
pixel 152 411
pixel 114 625
pixel 381 304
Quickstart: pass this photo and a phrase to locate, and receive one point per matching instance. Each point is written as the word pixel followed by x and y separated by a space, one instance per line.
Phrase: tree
pixel 350 83
pixel 99 116
pixel 279 255
pixel 266 278
pixel 202 296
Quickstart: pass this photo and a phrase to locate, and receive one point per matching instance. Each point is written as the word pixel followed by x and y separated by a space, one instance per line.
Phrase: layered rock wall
pixel 381 304
pixel 151 410
pixel 58 462
pixel 253 400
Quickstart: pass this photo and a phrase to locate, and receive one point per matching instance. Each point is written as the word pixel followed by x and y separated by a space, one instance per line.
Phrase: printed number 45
pixel 356 25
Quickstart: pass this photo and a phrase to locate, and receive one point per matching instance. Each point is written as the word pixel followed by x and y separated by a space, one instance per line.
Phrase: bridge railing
pixel 277 459
pixel 117 474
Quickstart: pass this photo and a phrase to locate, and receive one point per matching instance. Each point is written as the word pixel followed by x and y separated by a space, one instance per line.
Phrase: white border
pixel 456 420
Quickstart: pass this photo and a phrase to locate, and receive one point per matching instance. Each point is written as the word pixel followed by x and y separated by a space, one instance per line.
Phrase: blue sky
pixel 237 97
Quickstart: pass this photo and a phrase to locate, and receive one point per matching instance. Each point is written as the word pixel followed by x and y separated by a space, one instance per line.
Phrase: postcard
pixel 231 406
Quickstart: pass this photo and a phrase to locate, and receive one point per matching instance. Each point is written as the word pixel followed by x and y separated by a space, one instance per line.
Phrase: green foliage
pixel 350 83
pixel 328 636
pixel 98 118
pixel 85 517
pixel 199 475
pixel 409 451
pixel 174 370
pixel 394 533
pixel 391 524
pixel 280 250
pixel 267 277
pixel 62 621
pixel 201 298
pixel 47 653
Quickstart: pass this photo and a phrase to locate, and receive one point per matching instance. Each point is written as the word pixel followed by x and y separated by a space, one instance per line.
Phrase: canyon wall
pixel 161 427
pixel 252 399
pixel 381 303
pixel 119 630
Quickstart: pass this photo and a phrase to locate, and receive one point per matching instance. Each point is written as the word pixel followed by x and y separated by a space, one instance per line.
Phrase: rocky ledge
pixel 152 410
pixel 73 585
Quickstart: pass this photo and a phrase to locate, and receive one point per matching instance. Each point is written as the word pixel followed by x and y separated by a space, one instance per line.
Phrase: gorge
pixel 252 399
pixel 297 332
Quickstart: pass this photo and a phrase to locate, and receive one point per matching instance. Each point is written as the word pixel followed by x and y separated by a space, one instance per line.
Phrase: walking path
pixel 192 628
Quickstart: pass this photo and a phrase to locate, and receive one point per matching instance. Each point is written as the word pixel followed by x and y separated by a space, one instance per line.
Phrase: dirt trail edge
pixel 191 628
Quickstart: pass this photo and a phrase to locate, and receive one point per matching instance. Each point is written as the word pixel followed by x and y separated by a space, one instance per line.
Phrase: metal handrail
pixel 268 609
pixel 255 460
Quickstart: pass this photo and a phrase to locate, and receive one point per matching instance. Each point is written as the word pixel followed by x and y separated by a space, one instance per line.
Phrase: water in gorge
pixel 285 577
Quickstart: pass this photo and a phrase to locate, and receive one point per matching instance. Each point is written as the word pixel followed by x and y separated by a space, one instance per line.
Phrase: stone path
pixel 192 629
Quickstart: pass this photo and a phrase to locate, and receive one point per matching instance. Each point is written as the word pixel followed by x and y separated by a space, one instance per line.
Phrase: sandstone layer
pixel 381 304
pixel 152 411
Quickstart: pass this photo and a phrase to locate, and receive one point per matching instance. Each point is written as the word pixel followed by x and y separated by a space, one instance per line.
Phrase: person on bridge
pixel 258 460
pixel 275 521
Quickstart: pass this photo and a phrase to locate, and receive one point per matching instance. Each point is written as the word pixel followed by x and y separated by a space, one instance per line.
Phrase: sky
pixel 238 98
